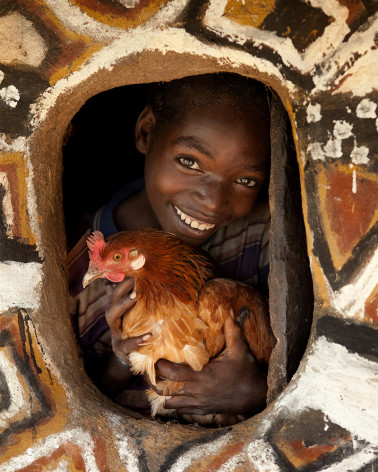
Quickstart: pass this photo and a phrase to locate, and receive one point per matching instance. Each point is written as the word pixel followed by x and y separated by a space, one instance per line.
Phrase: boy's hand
pixel 231 383
pixel 121 303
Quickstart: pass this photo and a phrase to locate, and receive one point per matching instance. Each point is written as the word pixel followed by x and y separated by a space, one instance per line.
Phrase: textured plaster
pixel 305 62
pixel 47 446
pixel 358 57
pixel 20 41
pixel 144 39
pixel 333 379
pixel 20 285
pixel 350 299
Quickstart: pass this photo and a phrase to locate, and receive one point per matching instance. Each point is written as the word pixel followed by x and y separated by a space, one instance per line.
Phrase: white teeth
pixel 192 222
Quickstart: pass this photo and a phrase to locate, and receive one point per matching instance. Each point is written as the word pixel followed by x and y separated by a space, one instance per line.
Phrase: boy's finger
pixel 151 385
pixel 131 344
pixel 122 289
pixel 183 404
pixel 233 336
pixel 175 372
pixel 116 311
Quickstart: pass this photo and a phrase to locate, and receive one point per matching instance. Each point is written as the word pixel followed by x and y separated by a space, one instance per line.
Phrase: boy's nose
pixel 213 196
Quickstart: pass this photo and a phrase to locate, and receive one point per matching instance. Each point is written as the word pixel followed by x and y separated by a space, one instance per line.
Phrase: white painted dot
pixel 333 148
pixel 342 129
pixel 316 151
pixel 10 95
pixel 366 109
pixel 313 113
pixel 359 154
pixel 1 76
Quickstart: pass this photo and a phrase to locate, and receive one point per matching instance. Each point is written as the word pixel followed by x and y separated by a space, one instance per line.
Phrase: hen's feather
pixel 181 305
pixel 221 298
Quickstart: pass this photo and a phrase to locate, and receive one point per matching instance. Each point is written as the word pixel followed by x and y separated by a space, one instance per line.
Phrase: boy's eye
pixel 246 181
pixel 117 256
pixel 189 163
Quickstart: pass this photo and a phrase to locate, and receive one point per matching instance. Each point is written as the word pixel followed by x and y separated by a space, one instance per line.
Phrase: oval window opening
pixel 100 158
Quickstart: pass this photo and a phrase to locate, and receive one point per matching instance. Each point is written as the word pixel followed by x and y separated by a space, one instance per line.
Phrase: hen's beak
pixel 91 275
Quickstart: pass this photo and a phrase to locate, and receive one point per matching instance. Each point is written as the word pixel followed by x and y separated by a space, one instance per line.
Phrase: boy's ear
pixel 144 129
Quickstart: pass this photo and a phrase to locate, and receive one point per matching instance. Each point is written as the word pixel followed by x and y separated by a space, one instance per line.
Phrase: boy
pixel 206 142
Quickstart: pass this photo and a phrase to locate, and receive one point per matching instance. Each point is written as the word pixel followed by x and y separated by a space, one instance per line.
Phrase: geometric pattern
pixel 299 47
pixel 13 175
pixel 320 60
pixel 24 403
pixel 349 216
pixel 28 410
pixel 345 218
pixel 16 238
pixel 69 450
pixel 120 13
pixel 339 147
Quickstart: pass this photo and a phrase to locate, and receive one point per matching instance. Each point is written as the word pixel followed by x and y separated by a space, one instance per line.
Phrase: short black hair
pixel 173 101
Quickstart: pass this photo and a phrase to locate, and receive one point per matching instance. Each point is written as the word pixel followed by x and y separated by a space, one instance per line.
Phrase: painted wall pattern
pixel 323 63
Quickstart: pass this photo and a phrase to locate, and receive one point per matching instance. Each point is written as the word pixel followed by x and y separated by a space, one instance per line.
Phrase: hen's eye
pixel 189 163
pixel 246 181
pixel 117 256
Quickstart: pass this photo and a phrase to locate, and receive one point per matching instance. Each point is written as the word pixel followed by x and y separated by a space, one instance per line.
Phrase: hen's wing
pixel 221 298
pixel 175 335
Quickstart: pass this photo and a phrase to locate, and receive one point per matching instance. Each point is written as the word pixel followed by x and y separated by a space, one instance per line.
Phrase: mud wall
pixel 320 58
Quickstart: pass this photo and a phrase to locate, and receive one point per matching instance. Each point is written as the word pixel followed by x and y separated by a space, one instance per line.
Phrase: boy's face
pixel 207 172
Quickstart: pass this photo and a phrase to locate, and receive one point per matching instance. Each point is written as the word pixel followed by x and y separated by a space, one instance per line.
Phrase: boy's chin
pixel 194 240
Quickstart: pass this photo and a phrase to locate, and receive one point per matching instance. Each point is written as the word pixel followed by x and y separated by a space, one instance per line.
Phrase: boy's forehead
pixel 226 108
pixel 244 140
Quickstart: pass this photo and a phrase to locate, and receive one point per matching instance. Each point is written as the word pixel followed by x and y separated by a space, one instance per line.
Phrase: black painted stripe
pixel 355 337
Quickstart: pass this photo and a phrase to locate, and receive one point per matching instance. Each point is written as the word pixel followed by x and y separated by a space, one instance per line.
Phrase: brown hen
pixel 179 302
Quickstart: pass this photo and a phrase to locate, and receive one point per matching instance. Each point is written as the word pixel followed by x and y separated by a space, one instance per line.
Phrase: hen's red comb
pixel 96 244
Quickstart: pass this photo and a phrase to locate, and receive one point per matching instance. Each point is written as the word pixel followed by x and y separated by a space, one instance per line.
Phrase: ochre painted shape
pixel 75 48
pixel 53 391
pixel 14 166
pixel 76 64
pixel 346 216
pixel 371 307
pixel 356 10
pixel 125 18
pixel 248 12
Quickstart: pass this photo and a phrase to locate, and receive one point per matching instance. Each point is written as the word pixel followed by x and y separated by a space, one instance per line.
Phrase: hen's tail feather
pixel 141 364
pixel 256 329
pixel 219 298
pixel 157 402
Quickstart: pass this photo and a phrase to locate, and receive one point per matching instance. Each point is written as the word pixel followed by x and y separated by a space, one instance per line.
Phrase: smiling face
pixel 206 172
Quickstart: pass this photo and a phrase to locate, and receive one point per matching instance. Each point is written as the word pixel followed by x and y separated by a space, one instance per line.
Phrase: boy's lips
pixel 193 222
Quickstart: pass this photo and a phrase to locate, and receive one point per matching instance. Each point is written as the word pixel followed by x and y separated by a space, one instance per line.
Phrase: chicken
pixel 179 302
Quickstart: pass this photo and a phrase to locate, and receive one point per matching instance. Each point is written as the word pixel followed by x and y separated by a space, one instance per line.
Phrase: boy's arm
pixel 231 383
